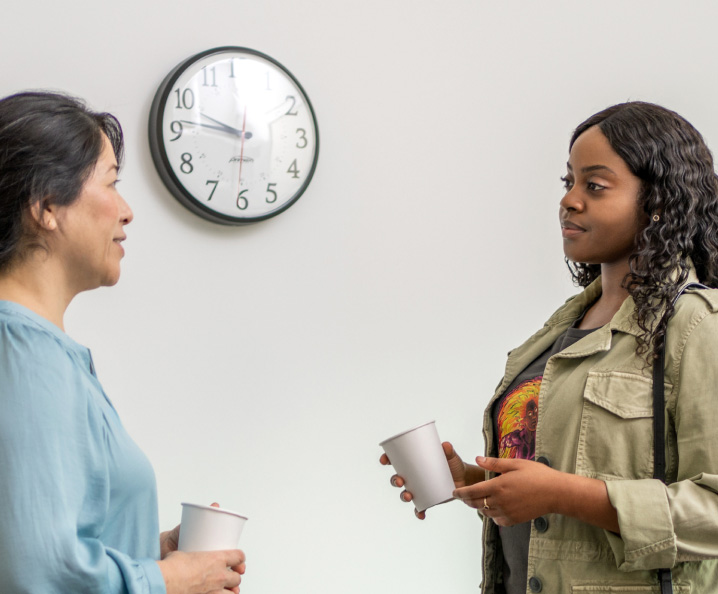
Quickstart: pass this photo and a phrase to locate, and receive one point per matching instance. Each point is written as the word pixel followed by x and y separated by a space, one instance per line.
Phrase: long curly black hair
pixel 679 185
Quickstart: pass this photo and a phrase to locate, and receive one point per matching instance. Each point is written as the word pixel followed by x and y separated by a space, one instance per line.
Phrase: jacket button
pixel 544 460
pixel 535 584
pixel 541 524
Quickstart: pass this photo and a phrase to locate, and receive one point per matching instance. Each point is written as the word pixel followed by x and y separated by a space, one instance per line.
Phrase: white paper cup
pixel 419 459
pixel 207 528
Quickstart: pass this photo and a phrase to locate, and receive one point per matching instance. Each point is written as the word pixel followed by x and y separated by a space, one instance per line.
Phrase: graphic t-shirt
pixel 515 416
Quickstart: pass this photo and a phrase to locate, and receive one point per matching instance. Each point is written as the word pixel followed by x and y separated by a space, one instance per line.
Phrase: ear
pixel 44 214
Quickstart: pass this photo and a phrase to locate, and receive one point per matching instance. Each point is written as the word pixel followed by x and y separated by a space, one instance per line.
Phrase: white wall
pixel 261 366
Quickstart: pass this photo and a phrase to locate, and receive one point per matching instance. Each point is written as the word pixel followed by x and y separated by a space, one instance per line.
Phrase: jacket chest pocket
pixel 616 434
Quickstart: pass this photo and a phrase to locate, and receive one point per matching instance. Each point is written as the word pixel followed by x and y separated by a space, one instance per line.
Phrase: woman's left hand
pixel 523 491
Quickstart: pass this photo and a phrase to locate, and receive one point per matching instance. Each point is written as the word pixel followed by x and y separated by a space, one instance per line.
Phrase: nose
pixel 126 214
pixel 572 201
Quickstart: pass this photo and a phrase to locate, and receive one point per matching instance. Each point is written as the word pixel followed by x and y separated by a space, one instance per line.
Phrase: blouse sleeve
pixel 54 490
pixel 682 524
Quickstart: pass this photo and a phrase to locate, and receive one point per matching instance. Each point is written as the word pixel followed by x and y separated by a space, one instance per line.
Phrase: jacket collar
pixel 622 321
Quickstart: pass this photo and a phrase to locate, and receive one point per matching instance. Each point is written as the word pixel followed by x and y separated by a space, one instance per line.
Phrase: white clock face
pixel 236 135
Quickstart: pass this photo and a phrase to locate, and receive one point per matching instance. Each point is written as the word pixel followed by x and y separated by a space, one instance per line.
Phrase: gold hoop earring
pixel 656 218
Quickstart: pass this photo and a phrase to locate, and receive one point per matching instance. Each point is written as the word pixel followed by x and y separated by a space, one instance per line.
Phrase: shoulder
pixel 40 374
pixel 692 335
pixel 27 343
pixel 693 307
pixel 700 297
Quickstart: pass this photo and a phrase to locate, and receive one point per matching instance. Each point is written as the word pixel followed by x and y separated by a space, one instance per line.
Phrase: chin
pixel 111 278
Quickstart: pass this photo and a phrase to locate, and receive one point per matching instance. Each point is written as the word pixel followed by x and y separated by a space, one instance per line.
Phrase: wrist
pixel 562 494
pixel 164 572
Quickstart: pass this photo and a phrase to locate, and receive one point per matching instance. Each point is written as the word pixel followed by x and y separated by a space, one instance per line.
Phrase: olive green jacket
pixel 595 420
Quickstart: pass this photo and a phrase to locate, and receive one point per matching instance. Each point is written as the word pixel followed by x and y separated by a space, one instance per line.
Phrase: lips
pixel 570 229
pixel 118 241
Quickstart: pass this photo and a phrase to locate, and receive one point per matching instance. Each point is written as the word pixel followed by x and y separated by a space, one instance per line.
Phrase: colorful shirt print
pixel 517 418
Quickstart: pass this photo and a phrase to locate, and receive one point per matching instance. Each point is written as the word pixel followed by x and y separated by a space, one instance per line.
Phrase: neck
pixel 35 284
pixel 613 294
pixel 612 276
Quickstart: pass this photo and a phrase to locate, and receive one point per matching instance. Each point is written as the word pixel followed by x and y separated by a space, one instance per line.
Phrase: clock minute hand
pixel 235 131
pixel 220 128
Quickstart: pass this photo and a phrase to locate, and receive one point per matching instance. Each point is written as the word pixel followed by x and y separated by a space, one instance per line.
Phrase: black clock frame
pixel 162 164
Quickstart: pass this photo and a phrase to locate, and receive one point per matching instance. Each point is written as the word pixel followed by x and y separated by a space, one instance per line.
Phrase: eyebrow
pixel 591 168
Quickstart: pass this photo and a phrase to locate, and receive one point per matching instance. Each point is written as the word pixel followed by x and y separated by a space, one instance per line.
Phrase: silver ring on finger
pixel 486 505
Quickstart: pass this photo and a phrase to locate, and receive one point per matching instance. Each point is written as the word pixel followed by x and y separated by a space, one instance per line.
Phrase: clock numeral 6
pixel 242 202
pixel 272 192
pixel 186 166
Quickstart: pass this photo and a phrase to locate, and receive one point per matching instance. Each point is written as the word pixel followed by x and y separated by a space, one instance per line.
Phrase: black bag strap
pixel 659 418
pixel 659 429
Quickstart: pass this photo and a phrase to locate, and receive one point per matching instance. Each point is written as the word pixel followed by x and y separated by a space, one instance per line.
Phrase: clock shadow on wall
pixel 233 136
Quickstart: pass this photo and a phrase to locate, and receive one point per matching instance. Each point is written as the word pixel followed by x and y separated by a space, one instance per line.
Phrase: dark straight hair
pixel 49 145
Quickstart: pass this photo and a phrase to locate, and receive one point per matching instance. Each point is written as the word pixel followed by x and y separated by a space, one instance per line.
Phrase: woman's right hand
pixel 460 472
pixel 210 572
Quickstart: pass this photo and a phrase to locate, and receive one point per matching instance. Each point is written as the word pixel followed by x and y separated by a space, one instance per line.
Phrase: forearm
pixel 585 499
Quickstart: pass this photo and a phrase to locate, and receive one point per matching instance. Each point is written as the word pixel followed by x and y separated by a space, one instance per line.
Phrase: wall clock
pixel 233 135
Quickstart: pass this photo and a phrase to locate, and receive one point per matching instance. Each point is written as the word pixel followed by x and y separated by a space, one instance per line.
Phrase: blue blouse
pixel 78 499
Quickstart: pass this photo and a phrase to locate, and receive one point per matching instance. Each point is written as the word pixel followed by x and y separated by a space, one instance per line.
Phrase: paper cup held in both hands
pixel 419 459
pixel 207 528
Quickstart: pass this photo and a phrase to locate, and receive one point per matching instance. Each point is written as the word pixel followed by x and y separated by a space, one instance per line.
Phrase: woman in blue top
pixel 78 500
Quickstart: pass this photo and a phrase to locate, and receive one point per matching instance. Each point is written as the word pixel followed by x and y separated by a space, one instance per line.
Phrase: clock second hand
pixel 241 151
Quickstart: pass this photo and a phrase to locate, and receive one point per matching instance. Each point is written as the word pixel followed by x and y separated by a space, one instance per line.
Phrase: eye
pixel 567 183
pixel 594 187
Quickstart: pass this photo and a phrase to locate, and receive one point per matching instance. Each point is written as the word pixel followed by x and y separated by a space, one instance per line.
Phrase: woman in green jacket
pixel 567 481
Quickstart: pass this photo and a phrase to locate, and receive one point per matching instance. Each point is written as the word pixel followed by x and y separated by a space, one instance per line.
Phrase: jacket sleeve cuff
pixel 154 575
pixel 134 576
pixel 647 541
